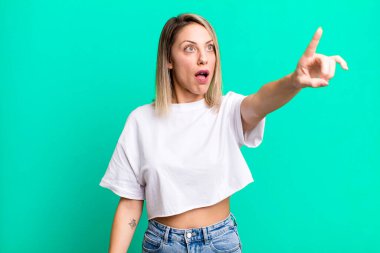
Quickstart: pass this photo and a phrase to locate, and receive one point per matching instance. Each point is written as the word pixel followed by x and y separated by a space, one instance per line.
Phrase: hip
pixel 220 237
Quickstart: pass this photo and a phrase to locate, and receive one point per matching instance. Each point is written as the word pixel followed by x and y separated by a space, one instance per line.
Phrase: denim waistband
pixel 192 234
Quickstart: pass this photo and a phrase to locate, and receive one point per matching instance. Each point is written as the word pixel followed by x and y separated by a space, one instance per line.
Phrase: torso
pixel 199 217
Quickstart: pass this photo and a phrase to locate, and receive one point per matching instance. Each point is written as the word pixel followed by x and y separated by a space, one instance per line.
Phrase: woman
pixel 182 152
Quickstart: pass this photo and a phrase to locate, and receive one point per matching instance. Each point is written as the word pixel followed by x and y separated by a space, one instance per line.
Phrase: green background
pixel 71 72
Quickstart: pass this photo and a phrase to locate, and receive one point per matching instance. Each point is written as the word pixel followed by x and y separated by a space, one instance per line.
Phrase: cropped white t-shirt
pixel 187 160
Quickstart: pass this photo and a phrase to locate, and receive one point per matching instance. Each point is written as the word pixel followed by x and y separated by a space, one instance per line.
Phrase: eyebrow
pixel 194 42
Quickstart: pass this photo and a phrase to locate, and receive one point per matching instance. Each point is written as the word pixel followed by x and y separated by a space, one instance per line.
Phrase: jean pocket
pixel 151 242
pixel 228 242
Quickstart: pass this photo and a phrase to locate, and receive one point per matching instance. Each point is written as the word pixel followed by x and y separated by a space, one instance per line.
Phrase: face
pixel 192 63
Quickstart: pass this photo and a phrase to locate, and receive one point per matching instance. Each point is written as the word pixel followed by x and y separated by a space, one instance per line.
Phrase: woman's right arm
pixel 126 218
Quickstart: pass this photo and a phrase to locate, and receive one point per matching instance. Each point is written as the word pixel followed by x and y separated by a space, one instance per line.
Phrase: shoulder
pixel 137 118
pixel 142 112
pixel 231 98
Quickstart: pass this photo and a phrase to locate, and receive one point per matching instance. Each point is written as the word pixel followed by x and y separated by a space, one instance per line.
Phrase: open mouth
pixel 201 76
pixel 201 73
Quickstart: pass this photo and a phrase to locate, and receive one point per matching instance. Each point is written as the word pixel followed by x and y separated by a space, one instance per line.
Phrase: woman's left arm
pixel 313 70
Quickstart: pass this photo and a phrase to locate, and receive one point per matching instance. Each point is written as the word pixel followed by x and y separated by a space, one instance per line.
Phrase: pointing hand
pixel 315 70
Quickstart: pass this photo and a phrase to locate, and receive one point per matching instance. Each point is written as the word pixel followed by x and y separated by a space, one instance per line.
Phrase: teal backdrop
pixel 72 71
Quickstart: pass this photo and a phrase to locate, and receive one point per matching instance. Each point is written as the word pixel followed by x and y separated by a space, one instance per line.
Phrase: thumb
pixel 313 82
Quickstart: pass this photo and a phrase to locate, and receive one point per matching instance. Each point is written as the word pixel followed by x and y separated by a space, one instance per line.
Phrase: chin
pixel 203 89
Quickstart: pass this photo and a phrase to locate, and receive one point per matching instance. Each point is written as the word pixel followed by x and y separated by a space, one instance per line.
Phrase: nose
pixel 202 59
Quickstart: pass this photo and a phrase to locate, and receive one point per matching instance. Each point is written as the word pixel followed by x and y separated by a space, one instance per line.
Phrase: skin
pixel 313 70
pixel 198 217
pixel 187 58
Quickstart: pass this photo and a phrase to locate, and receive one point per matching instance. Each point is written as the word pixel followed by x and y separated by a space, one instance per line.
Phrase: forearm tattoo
pixel 132 224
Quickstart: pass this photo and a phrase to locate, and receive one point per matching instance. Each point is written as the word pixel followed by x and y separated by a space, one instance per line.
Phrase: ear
pixel 170 65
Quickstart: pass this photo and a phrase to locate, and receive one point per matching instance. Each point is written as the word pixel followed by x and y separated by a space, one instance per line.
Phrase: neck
pixel 178 98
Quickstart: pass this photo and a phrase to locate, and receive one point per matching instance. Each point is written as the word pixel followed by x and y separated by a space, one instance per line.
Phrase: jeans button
pixel 188 235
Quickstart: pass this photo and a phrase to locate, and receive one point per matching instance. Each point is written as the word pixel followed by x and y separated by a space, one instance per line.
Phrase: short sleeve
pixel 122 172
pixel 254 137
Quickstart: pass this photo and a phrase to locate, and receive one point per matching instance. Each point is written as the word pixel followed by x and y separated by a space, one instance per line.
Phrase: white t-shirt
pixel 187 160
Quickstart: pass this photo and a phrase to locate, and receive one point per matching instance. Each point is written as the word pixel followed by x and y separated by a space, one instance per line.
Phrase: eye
pixel 190 48
pixel 210 47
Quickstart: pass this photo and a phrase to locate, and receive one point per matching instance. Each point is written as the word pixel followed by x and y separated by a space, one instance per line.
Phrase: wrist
pixel 292 81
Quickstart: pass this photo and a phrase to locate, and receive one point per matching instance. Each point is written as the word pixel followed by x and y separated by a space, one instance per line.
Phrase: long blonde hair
pixel 164 82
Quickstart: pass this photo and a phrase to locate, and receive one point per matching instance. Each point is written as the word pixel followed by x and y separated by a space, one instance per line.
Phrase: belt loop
pixel 205 235
pixel 166 236
pixel 234 219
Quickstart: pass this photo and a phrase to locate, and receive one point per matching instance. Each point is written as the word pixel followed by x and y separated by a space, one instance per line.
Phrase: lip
pixel 200 79
pixel 203 71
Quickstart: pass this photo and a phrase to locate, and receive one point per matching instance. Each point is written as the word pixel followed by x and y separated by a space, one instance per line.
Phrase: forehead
pixel 194 32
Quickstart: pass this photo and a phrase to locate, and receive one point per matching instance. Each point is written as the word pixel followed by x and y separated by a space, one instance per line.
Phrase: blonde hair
pixel 164 82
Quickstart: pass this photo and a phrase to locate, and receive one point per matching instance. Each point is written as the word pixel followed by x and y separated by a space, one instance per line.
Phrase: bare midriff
pixel 199 217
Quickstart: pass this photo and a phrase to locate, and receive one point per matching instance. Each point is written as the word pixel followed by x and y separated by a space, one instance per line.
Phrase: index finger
pixel 312 47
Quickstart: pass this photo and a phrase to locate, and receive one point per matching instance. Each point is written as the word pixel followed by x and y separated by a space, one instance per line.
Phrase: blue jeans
pixel 220 237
